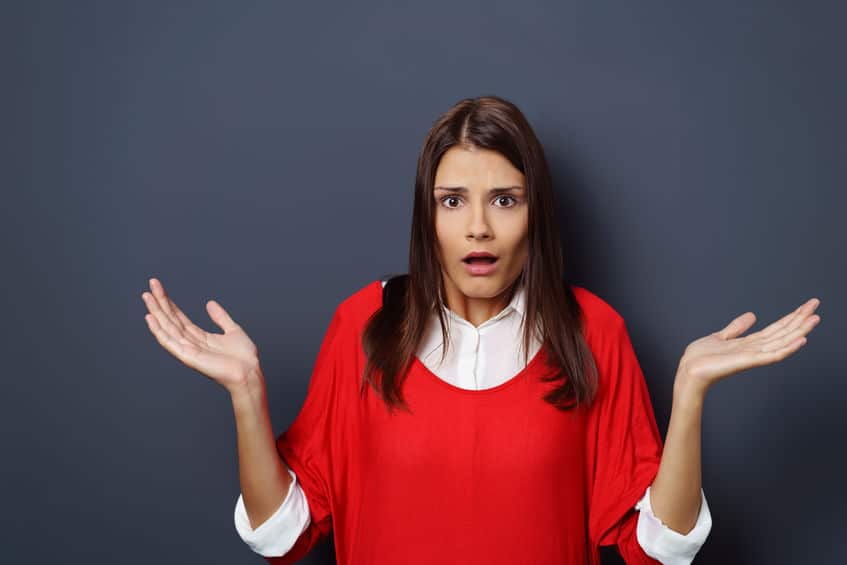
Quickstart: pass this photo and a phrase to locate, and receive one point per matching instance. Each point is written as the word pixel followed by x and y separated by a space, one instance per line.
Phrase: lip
pixel 481 269
pixel 478 254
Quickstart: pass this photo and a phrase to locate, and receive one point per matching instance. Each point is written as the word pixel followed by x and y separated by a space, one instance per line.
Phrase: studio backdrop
pixel 263 154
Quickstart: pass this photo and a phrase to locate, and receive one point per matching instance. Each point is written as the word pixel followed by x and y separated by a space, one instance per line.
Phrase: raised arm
pixel 264 476
pixel 231 360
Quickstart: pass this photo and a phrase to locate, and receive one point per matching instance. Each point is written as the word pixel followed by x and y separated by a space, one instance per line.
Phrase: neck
pixel 477 309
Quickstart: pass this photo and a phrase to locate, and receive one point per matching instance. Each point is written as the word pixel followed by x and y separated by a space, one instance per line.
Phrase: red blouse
pixel 494 476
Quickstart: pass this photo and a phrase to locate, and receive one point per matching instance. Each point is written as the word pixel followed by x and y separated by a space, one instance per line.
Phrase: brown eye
pixel 510 197
pixel 448 198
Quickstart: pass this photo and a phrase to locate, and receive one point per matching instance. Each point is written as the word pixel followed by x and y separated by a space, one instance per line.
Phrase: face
pixel 480 203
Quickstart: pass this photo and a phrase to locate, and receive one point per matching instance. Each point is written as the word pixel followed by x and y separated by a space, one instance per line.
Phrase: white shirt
pixel 473 349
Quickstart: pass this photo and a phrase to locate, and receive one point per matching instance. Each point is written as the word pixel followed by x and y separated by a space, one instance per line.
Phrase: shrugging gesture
pixel 676 491
pixel 725 352
pixel 226 358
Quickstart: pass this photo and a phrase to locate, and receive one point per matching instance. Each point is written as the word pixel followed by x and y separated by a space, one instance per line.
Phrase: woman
pixel 478 409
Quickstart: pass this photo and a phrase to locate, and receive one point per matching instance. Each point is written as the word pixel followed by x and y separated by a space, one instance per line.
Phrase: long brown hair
pixel 392 334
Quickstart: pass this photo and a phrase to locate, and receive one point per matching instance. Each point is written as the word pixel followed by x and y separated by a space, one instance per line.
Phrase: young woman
pixel 478 409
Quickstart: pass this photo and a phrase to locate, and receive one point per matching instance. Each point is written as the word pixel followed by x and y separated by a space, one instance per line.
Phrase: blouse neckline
pixel 419 365
pixel 517 377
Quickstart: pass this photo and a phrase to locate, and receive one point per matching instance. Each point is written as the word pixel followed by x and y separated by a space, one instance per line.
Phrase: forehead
pixel 460 165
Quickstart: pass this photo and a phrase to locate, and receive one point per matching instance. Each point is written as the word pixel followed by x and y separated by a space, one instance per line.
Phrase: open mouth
pixel 479 260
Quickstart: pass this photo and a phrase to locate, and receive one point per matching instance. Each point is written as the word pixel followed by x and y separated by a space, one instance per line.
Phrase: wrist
pixel 688 389
pixel 251 385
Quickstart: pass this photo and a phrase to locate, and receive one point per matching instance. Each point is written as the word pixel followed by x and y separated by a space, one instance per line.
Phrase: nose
pixel 478 228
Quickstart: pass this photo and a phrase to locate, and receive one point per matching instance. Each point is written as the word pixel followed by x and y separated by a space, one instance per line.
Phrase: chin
pixel 482 287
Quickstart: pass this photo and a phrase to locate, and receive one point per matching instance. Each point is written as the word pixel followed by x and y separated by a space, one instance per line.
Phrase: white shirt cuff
pixel 276 535
pixel 666 545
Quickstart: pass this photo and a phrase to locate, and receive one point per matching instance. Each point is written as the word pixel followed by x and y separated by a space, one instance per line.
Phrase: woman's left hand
pixel 723 353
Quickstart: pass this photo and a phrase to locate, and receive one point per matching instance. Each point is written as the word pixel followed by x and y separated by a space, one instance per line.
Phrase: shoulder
pixel 601 319
pixel 357 306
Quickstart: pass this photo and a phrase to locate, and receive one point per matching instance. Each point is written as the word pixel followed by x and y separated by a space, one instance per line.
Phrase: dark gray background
pixel 263 154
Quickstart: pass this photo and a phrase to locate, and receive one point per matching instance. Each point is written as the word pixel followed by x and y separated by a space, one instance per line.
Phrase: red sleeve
pixel 304 446
pixel 623 446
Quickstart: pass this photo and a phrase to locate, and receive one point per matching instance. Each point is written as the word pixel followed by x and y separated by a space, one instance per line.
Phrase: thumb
pixel 220 316
pixel 738 326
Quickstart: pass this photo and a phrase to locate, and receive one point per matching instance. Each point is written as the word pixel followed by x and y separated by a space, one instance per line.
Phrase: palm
pixel 723 353
pixel 226 358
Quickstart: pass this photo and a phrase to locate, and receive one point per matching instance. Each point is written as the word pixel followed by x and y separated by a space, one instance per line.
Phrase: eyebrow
pixel 464 190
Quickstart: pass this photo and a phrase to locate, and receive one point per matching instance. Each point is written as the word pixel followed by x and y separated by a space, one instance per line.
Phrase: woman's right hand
pixel 227 358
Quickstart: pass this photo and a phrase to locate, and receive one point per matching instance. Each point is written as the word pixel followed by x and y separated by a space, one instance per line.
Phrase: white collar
pixel 518 304
pixel 432 338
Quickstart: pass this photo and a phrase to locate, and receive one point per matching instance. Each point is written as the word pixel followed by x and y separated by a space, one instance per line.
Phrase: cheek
pixel 445 238
pixel 518 235
pixel 440 235
pixel 446 229
pixel 520 252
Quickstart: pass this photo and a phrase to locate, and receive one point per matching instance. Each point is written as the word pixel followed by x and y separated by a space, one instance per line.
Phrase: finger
pixel 784 339
pixel 193 330
pixel 807 307
pixel 738 326
pixel 779 324
pixel 164 338
pixel 189 354
pixel 161 296
pixel 220 316
pixel 800 320
pixel 178 317
pixel 767 357
pixel 167 324
pixel 189 327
